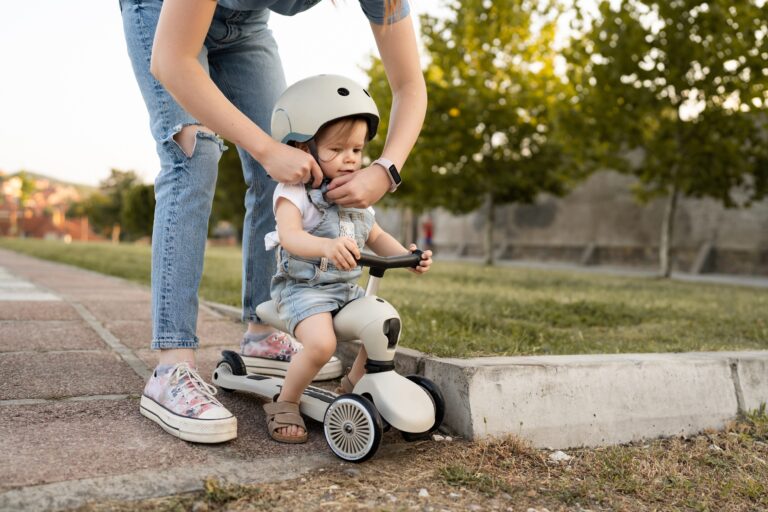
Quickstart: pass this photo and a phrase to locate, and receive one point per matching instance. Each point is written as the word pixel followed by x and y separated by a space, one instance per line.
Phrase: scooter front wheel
pixel 353 428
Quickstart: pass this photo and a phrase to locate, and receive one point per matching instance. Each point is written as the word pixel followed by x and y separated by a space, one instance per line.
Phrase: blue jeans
pixel 241 57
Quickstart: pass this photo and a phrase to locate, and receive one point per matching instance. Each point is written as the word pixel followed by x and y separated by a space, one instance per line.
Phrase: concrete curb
pixel 587 400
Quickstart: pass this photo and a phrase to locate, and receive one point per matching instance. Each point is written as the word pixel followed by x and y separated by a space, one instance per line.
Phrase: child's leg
pixel 358 367
pixel 319 340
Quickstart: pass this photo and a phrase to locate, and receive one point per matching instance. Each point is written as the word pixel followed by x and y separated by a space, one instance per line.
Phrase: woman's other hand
pixel 287 164
pixel 359 189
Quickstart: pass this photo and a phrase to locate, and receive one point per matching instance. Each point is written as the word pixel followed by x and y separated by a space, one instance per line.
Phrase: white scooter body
pixel 399 401
pixel 402 403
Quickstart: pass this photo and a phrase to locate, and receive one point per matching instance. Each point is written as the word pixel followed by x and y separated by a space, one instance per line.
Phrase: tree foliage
pixel 490 135
pixel 682 86
pixel 138 211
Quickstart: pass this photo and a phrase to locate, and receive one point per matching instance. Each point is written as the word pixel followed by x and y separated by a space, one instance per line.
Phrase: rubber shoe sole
pixel 264 366
pixel 189 429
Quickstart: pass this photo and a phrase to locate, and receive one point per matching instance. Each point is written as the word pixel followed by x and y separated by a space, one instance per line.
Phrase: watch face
pixel 395 175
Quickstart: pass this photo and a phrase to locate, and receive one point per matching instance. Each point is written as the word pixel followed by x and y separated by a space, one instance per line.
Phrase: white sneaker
pixel 183 404
pixel 272 355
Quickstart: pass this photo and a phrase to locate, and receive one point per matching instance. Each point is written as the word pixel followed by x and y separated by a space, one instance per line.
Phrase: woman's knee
pixel 186 138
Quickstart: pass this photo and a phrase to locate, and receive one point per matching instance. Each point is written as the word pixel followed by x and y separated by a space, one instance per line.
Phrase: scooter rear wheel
pixel 352 428
pixel 233 364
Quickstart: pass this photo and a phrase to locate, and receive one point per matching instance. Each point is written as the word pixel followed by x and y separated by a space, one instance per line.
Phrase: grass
pixel 713 471
pixel 463 309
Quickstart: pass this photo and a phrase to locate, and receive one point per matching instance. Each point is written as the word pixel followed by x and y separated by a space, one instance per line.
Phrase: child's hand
pixel 424 264
pixel 342 252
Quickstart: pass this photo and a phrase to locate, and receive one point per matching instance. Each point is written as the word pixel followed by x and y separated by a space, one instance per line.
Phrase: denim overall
pixel 304 287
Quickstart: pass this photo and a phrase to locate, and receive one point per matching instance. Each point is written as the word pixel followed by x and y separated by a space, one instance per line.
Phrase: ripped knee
pixel 186 138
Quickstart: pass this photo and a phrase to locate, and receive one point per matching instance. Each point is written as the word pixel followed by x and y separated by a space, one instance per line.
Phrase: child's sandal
pixel 284 414
pixel 346 386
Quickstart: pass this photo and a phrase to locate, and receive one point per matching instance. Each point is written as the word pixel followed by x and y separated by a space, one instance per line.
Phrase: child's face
pixel 340 149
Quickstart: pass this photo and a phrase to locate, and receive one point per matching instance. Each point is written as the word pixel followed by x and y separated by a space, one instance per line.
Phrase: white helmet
pixel 310 103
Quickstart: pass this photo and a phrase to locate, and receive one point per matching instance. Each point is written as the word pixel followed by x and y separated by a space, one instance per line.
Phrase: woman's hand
pixel 424 264
pixel 359 189
pixel 343 252
pixel 287 164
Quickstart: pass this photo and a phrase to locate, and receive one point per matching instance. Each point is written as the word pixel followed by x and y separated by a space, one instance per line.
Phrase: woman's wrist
pixel 383 183
pixel 391 172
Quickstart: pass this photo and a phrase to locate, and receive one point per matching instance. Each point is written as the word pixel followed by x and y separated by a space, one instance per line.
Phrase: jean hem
pixel 165 344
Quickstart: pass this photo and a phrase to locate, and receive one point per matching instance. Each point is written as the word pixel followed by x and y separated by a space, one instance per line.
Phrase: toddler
pixel 319 242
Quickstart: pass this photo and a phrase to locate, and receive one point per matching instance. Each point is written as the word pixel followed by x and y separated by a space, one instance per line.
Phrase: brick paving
pixel 74 353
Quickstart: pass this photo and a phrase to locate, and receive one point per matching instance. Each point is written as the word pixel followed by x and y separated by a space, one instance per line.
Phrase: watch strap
pixel 392 173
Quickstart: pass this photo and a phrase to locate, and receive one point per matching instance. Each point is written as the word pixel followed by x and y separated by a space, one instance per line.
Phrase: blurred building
pixel 41 212
pixel 601 223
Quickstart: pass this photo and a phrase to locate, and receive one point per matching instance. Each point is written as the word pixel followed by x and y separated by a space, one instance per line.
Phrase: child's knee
pixel 321 350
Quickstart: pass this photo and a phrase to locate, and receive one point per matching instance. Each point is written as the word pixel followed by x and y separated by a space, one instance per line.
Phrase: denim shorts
pixel 301 289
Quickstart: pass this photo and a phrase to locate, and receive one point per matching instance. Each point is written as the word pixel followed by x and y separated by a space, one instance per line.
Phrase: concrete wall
pixel 602 212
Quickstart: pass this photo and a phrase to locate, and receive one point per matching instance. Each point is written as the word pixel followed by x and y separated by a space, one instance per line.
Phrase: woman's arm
pixel 400 56
pixel 342 251
pixel 181 32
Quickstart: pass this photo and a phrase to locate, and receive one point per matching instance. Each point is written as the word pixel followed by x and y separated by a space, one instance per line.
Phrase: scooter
pixel 353 423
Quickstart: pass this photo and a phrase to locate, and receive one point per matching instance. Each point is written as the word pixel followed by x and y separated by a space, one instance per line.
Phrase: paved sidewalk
pixel 74 357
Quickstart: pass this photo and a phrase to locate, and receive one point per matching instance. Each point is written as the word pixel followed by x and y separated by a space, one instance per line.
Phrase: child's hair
pixel 341 127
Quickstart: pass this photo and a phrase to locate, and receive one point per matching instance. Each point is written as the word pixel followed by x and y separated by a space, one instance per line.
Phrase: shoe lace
pixel 286 340
pixel 185 372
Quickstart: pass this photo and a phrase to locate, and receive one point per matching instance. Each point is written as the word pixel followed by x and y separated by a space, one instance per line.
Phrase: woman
pixel 206 68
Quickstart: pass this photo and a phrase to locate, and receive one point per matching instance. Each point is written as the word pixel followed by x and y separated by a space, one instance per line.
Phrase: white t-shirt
pixel 310 215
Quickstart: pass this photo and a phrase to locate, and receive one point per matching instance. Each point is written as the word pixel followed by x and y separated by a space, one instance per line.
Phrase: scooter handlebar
pixel 386 262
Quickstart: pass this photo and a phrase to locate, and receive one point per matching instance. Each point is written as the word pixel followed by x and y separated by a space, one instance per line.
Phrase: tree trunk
pixel 667 229
pixel 414 229
pixel 406 220
pixel 116 233
pixel 489 223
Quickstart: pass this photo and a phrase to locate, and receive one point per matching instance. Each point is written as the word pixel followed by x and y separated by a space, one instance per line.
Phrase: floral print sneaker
pixel 271 354
pixel 278 346
pixel 184 405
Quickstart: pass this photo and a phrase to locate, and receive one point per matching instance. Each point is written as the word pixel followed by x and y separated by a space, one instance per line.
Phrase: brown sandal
pixel 345 386
pixel 284 414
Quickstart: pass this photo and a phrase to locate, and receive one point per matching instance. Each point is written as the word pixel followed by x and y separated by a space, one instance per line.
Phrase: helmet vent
pixel 343 91
pixel 366 93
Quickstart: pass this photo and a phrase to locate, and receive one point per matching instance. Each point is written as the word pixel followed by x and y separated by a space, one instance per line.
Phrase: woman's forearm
pixel 399 54
pixel 181 32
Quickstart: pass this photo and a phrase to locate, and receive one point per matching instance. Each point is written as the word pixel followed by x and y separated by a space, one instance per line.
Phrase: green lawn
pixel 463 309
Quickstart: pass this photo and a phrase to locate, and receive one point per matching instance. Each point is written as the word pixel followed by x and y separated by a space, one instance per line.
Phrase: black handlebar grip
pixel 386 262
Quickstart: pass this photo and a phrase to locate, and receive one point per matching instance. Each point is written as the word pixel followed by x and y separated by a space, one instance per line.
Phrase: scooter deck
pixel 314 401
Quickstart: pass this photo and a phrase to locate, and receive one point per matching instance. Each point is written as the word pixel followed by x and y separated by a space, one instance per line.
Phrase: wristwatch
pixel 392 173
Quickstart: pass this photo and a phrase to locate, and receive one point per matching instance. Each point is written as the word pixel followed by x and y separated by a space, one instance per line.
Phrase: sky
pixel 69 104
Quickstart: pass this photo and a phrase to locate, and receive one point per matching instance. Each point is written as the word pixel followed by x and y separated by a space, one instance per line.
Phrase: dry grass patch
pixel 718 471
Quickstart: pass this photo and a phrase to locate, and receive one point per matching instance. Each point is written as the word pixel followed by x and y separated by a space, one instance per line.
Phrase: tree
pixel 138 211
pixel 490 134
pixel 229 198
pixel 681 86
pixel 28 187
pixel 104 209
